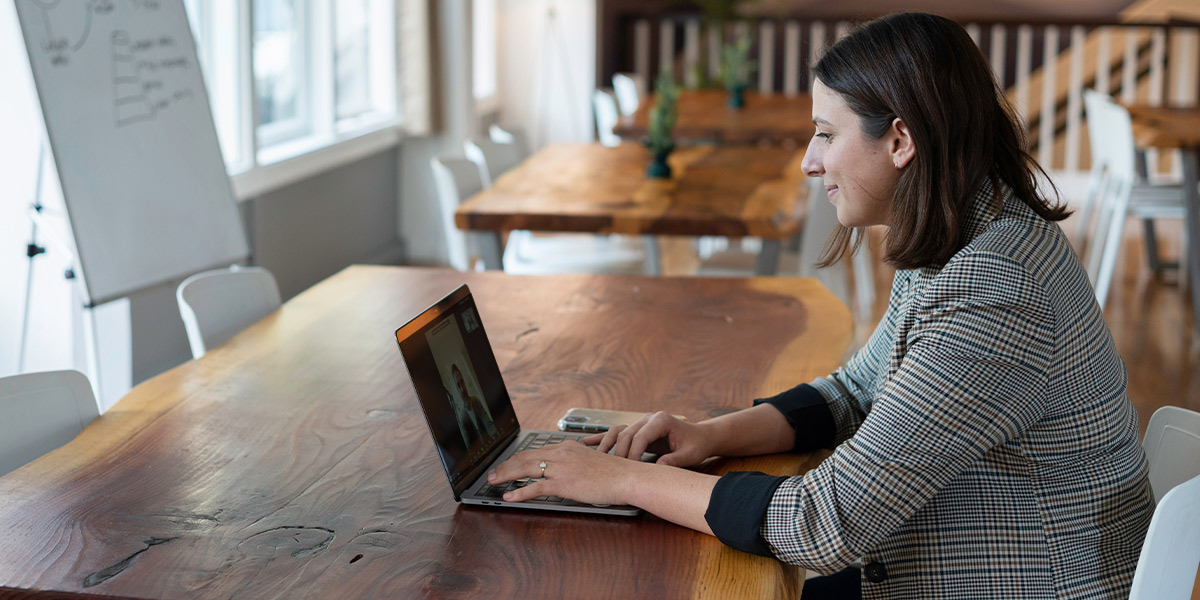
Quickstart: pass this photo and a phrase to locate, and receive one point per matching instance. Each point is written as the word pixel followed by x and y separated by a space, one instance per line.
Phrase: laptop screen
pixel 457 382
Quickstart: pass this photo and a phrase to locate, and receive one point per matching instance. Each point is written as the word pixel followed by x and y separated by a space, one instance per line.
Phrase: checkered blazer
pixel 986 447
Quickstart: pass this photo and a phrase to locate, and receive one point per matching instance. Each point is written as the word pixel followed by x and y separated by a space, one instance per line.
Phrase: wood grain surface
pixel 293 461
pixel 704 116
pixel 730 191
pixel 1165 126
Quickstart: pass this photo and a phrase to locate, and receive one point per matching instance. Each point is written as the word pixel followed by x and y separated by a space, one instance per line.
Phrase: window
pixel 364 59
pixel 483 43
pixel 288 77
pixel 279 69
pixel 217 47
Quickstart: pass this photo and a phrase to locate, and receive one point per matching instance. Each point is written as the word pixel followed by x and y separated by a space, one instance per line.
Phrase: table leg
pixel 1191 197
pixel 491 251
pixel 768 258
pixel 653 255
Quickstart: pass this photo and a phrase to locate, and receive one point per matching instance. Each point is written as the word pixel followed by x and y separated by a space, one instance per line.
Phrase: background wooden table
pixel 293 462
pixel 724 191
pixel 1178 128
pixel 705 116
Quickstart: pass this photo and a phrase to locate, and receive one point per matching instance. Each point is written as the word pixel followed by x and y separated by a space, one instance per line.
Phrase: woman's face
pixel 859 174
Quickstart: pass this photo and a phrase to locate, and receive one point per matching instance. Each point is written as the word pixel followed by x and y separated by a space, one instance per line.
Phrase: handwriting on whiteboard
pixel 143 63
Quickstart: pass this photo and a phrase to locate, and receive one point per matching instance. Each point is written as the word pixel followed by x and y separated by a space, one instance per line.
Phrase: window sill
pixel 285 164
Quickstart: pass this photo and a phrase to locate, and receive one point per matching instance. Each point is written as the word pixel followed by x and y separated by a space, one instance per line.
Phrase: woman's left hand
pixel 573 471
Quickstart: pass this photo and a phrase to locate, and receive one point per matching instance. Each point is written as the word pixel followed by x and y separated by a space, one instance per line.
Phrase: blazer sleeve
pixel 850 390
pixel 972 377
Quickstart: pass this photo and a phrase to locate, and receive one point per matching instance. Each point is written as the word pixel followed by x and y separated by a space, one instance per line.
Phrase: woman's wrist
pixel 713 436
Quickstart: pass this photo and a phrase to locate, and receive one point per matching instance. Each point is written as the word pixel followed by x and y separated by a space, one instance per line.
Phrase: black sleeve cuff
pixel 808 413
pixel 737 508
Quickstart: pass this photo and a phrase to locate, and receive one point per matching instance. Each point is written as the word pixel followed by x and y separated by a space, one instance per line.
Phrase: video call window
pixel 459 381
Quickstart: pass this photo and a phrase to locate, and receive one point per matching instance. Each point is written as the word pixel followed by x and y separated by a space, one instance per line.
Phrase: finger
pixel 533 490
pixel 610 438
pixel 593 439
pixel 656 428
pixel 518 466
pixel 625 438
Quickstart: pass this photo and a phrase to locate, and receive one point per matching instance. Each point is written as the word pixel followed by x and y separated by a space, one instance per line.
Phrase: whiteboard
pixel 132 137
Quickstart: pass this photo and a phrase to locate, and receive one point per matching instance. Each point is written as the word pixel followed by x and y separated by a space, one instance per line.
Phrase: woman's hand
pixel 573 471
pixel 680 444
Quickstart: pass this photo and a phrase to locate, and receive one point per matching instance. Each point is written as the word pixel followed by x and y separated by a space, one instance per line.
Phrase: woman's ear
pixel 902 148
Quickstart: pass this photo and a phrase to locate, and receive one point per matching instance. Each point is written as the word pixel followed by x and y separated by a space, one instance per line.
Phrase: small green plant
pixel 736 66
pixel 663 114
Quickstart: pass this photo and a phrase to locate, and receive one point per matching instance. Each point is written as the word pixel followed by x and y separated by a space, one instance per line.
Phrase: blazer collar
pixel 985 207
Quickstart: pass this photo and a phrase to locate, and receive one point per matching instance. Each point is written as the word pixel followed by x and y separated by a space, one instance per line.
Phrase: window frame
pixel 267 157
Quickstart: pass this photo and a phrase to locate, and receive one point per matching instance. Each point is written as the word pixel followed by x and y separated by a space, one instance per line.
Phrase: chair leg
pixel 1151 240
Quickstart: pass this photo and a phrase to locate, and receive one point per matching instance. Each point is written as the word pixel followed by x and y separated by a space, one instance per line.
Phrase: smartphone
pixel 598 420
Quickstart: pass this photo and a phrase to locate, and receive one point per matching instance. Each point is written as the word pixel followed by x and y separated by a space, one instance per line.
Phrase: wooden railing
pixel 1043 66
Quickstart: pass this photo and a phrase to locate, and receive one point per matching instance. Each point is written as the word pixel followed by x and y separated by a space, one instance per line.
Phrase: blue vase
pixel 658 168
pixel 737 97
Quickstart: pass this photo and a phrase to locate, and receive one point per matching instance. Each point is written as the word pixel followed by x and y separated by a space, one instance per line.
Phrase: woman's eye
pixel 825 136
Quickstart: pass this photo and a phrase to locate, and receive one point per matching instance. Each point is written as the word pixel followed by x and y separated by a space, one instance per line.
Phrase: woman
pixel 984 445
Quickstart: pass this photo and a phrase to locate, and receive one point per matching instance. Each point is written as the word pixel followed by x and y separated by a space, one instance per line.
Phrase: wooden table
pixel 704 115
pixel 714 190
pixel 1178 128
pixel 293 461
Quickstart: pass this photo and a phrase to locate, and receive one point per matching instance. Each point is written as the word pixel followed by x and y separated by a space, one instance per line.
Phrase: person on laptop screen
pixel 474 418
pixel 983 443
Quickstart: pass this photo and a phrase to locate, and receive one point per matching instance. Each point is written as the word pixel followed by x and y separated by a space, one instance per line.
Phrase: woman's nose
pixel 811 164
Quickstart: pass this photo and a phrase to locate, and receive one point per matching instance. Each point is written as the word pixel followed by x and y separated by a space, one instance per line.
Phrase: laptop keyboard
pixel 530 442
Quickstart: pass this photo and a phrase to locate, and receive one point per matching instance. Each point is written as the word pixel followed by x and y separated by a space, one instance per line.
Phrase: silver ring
pixel 543 466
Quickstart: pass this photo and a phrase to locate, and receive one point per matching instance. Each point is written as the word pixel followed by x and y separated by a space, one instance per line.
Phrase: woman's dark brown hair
pixel 925 70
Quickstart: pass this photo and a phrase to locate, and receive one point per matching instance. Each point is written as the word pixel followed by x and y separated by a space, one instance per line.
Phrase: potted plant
pixel 735 70
pixel 662 121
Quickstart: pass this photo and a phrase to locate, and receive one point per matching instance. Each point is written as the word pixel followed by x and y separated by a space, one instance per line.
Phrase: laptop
pixel 467 406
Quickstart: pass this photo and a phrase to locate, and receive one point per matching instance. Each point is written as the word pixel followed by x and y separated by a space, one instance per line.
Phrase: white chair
pixel 513 136
pixel 493 158
pixel 1115 192
pixel 1166 569
pixel 216 305
pixel 606 118
pixel 527 253
pixel 1172 446
pixel 455 180
pixel 629 91
pixel 40 412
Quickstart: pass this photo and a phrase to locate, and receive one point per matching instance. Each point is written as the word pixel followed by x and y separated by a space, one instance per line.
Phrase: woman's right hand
pixel 681 444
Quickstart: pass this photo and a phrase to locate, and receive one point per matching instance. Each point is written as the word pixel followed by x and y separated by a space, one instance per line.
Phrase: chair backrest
pixel 216 305
pixel 40 412
pixel 1166 569
pixel 606 118
pixel 511 135
pixel 456 179
pixel 1172 446
pixel 629 92
pixel 1110 135
pixel 493 158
